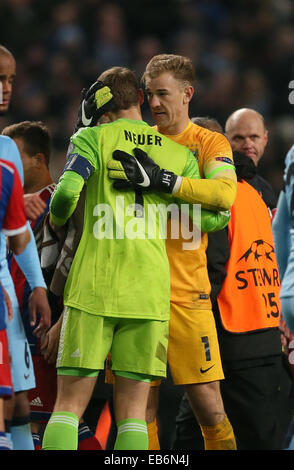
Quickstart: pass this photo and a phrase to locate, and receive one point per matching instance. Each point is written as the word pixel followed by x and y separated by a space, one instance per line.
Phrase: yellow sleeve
pixel 217 190
pixel 215 194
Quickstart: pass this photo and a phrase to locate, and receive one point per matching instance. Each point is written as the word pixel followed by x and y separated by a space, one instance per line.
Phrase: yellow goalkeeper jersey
pixel 190 284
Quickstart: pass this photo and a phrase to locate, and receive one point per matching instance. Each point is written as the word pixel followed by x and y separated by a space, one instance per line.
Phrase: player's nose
pixel 154 102
pixel 247 142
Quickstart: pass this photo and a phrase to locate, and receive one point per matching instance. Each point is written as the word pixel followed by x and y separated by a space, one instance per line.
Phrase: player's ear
pixel 104 119
pixel 266 137
pixel 40 159
pixel 188 94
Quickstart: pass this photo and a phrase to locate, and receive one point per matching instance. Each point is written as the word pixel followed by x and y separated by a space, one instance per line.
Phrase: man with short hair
pixel 33 141
pixel 121 268
pixel 193 352
pixel 207 122
pixel 33 204
pixel 7 75
pixel 247 133
pixel 28 260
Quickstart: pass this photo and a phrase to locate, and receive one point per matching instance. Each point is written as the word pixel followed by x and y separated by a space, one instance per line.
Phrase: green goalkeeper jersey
pixel 121 267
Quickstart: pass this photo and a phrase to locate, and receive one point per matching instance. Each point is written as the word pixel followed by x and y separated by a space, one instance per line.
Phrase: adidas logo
pixel 76 353
pixel 36 402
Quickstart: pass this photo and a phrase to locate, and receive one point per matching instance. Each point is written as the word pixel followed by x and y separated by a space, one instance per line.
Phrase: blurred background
pixel 243 52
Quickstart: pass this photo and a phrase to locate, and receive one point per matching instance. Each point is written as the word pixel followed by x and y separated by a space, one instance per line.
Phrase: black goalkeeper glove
pixel 140 172
pixel 95 101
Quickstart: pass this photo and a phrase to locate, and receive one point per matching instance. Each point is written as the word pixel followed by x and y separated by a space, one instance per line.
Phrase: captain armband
pixel 80 165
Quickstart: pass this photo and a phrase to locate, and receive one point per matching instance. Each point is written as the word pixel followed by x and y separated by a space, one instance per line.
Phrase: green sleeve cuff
pixel 65 197
pixel 57 220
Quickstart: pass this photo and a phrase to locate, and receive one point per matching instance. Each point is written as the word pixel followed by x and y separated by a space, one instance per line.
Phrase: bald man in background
pixel 246 131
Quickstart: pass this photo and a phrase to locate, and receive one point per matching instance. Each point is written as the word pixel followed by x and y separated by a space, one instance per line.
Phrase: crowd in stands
pixel 243 55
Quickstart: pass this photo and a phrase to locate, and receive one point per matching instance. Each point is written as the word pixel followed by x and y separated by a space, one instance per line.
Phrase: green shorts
pixel 138 346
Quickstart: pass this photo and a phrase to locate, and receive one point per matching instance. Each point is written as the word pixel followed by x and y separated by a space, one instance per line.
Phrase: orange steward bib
pixel 249 299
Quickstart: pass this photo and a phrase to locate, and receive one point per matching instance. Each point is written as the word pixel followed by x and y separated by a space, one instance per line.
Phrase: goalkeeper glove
pixel 140 172
pixel 95 101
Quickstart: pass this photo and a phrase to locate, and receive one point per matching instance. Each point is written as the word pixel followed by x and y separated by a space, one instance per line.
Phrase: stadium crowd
pixel 242 51
pixel 242 56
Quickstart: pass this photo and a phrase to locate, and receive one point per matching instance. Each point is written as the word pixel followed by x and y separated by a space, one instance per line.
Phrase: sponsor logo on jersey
pixel 76 353
pixel 206 370
pixel 36 402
